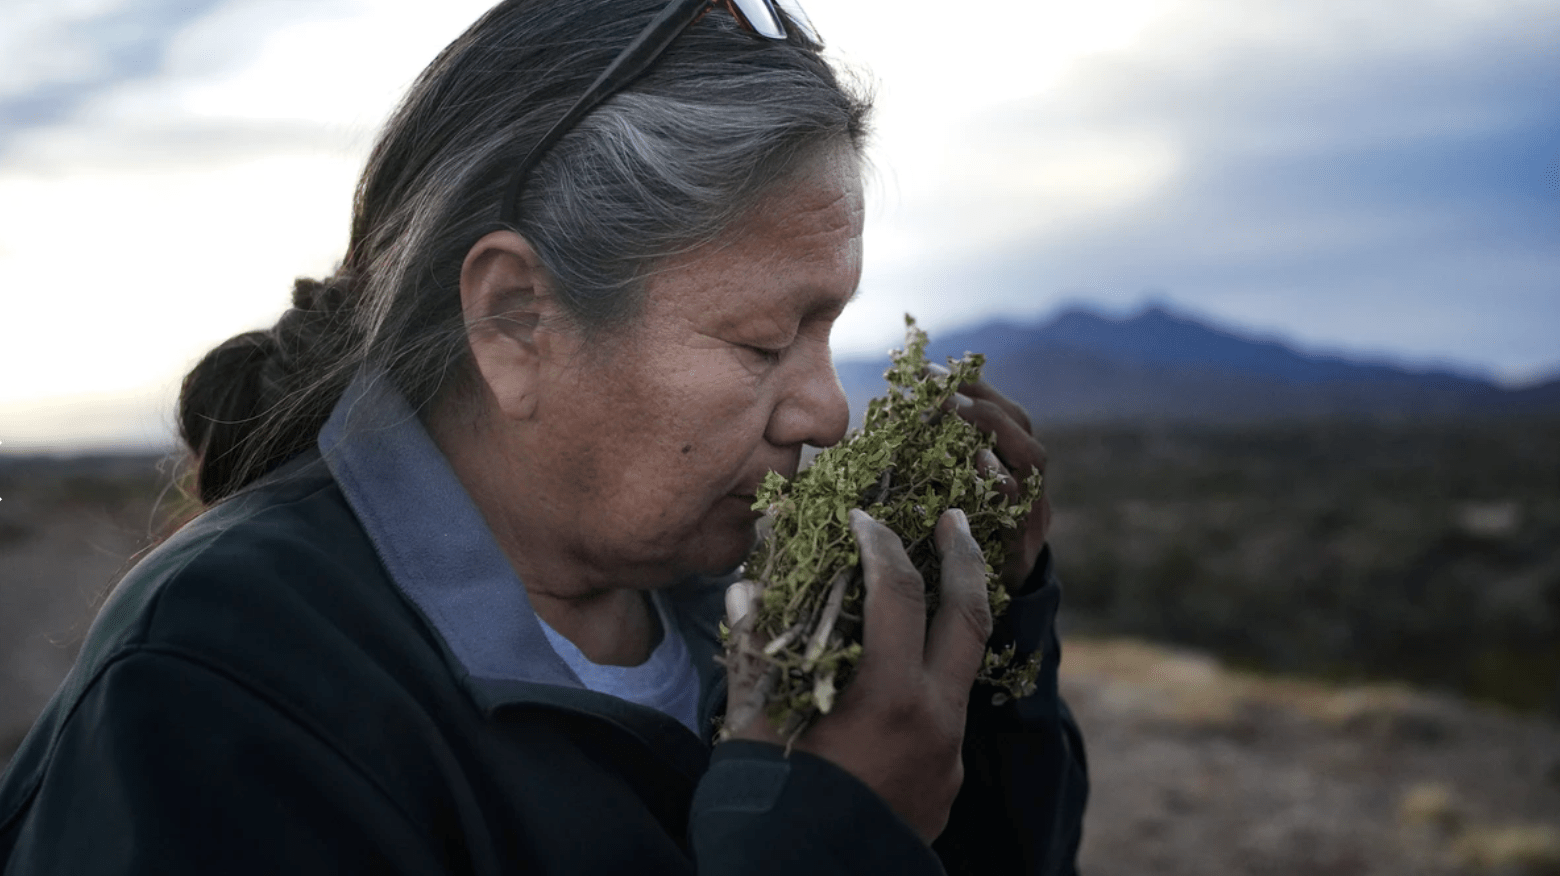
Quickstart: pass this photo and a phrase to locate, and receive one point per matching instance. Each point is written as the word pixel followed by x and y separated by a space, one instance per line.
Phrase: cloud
pixel 1358 177
pixel 160 85
pixel 162 214
pixel 62 56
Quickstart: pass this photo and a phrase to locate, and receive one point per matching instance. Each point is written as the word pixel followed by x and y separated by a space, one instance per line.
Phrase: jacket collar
pixel 432 539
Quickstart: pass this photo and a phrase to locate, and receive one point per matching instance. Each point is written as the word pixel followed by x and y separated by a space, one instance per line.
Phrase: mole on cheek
pixel 687 449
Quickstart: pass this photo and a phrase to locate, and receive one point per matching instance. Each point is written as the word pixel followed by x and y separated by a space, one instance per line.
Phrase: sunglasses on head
pixel 759 17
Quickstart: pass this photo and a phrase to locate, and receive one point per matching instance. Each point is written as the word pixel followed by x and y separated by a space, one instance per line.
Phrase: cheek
pixel 714 417
pixel 722 444
pixel 583 469
pixel 679 438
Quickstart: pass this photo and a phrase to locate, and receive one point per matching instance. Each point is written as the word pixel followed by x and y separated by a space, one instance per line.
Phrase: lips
pixel 747 497
pixel 747 490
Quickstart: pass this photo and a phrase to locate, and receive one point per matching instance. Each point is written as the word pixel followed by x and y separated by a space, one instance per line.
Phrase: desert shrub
pixel 1428 552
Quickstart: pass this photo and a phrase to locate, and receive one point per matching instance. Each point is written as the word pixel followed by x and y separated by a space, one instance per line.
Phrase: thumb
pixel 748 678
pixel 739 601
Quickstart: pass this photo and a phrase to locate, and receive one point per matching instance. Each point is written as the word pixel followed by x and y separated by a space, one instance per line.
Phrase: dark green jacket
pixel 259 696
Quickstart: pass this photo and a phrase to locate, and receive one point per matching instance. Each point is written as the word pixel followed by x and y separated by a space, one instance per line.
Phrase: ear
pixel 508 303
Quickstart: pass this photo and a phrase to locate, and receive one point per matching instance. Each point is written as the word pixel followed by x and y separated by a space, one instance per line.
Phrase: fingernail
pixel 859 518
pixel 962 402
pixel 960 520
pixel 739 601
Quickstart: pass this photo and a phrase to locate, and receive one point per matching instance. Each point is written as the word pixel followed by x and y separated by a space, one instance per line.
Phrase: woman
pixel 475 500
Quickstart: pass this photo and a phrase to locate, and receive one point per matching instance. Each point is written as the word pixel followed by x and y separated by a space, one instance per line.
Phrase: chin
pixel 728 551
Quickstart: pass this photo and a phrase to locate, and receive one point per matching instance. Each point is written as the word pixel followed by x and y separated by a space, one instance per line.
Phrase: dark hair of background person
pixel 656 170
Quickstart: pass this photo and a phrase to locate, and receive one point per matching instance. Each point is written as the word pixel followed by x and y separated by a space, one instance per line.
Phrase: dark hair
pixel 658 169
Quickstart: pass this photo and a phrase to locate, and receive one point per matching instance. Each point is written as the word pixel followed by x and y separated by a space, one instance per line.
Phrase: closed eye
pixel 770 355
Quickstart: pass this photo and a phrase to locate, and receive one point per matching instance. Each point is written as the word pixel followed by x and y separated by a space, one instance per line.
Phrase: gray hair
pixel 656 170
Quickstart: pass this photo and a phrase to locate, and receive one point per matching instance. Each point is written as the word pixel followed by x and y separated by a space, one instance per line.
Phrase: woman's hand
pixel 899 724
pixel 1018 452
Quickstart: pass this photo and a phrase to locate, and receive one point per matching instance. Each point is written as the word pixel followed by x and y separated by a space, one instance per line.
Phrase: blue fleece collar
pixel 432 539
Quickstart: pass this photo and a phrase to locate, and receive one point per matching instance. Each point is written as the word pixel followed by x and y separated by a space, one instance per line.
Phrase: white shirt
pixel 666 681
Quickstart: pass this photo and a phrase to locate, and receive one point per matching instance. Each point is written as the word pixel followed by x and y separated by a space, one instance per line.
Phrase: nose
pixel 813 409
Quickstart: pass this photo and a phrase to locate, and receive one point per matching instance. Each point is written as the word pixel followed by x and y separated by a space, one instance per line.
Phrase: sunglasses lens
pixel 798 17
pixel 762 17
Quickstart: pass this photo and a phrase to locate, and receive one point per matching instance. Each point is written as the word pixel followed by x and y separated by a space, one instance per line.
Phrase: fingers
pixel 894 627
pixel 895 639
pixel 956 643
pixel 995 414
pixel 988 465
pixel 983 391
pixel 1019 449
pixel 749 680
pixel 1016 454
pixel 899 724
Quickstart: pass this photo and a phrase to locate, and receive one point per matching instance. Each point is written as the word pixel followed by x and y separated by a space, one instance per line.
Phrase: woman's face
pixel 652 440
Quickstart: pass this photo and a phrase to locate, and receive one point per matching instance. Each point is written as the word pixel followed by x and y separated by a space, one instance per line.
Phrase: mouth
pixel 747 492
pixel 746 500
pixel 748 487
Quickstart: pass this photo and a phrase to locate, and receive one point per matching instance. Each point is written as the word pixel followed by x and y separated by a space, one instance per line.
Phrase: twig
pixel 831 612
pixel 779 643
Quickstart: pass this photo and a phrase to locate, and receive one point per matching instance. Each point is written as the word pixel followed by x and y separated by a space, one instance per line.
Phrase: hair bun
pixel 221 400
pixel 321 296
pixel 306 291
pixel 311 328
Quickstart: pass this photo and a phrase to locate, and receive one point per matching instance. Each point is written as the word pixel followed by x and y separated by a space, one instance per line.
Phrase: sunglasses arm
pixel 631 64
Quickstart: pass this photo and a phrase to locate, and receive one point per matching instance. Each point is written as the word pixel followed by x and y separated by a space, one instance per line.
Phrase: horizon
pixel 150 419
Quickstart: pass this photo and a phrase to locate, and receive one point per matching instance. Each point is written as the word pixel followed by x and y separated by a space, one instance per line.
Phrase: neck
pixel 612 623
pixel 615 628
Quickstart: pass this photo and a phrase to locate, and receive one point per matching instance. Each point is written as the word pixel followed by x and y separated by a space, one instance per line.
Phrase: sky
pixel 1380 179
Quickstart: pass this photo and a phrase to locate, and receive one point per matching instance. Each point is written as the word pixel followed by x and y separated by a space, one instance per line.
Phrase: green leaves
pixel 911 461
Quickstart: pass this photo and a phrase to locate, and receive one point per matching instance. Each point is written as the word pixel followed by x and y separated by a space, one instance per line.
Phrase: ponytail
pixel 260 397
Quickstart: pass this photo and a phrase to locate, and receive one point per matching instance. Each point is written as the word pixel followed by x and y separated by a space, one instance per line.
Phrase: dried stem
pixel 831 613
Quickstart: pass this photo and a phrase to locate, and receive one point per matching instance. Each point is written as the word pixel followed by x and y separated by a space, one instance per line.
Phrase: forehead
pixel 823 200
pixel 798 248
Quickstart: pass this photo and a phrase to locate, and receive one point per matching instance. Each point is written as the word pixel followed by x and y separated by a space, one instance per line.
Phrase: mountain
pixel 1083 367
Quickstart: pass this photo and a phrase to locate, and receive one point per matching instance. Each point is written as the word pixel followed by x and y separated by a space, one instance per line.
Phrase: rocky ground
pixel 1197 769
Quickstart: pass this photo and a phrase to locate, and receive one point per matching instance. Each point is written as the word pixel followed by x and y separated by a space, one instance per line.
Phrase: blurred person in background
pixel 475 501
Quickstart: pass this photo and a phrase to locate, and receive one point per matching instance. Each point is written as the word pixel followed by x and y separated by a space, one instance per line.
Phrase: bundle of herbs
pixel 911 460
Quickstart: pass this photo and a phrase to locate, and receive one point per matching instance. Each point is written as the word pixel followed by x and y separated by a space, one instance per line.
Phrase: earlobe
pixel 506 300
